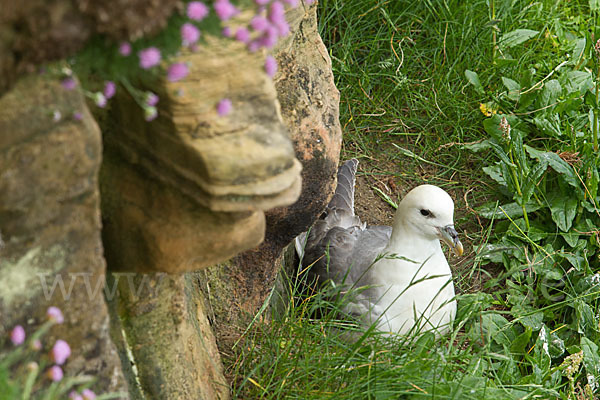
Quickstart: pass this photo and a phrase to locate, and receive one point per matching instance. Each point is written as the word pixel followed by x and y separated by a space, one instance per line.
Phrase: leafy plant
pixel 546 233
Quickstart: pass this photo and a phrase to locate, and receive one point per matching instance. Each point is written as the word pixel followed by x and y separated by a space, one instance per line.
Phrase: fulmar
pixel 403 280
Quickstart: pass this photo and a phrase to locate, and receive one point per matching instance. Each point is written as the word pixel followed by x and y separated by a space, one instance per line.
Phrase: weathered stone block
pixel 50 222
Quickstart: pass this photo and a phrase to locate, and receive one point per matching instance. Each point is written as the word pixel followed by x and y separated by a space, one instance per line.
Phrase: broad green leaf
pixel 494 172
pixel 552 90
pixel 532 179
pixel 473 79
pixel 519 345
pixel 558 164
pixel 578 81
pixel 498 329
pixel 478 146
pixel 519 154
pixel 571 238
pixel 576 260
pixel 511 210
pixel 579 49
pixel 492 125
pixel 513 87
pixel 591 360
pixel 563 209
pixel 516 37
pixel 549 124
pixel 501 153
pixel 586 318
pixel 556 346
pixel 589 284
pixel 528 316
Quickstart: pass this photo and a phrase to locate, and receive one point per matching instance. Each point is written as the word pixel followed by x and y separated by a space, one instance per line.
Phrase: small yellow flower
pixel 488 109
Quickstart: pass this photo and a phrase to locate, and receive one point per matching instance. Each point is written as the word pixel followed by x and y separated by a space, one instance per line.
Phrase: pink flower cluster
pixel 266 27
pixel 225 10
pixel 60 351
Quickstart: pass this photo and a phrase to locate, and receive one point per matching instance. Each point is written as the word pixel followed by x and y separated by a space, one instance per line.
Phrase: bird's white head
pixel 428 211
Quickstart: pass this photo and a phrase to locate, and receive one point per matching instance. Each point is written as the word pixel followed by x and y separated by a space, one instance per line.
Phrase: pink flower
pixel 225 9
pixel 75 396
pixel 69 83
pixel 189 34
pixel 125 49
pixel 56 116
pixel 17 335
pixel 88 394
pixel 77 116
pixel 262 2
pixel 99 99
pixel 242 35
pixel 177 72
pixel 269 39
pixel 109 89
pixel 149 57
pixel 276 12
pixel 226 31
pixel 270 66
pixel 224 107
pixel 259 23
pixel 60 352
pixel 283 29
pixel 54 314
pixel 197 10
pixel 151 99
pixel 55 373
pixel 150 113
pixel 291 3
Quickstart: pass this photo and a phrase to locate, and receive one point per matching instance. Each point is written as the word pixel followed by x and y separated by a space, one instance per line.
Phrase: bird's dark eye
pixel 425 213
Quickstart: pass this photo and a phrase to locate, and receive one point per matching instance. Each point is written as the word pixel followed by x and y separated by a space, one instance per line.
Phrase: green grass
pixel 400 67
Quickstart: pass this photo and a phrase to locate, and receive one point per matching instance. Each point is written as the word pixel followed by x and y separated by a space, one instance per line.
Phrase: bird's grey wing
pixel 368 247
pixel 339 211
pixel 345 255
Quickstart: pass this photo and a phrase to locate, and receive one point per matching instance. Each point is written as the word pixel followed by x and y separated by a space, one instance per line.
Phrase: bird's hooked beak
pixel 449 235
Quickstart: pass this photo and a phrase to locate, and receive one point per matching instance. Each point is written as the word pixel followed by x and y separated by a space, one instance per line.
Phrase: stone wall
pixel 196 208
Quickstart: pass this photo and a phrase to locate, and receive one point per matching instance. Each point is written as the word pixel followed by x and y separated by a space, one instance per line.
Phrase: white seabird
pixel 404 278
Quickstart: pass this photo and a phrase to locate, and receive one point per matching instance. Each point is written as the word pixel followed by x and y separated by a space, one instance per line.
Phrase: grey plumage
pixel 340 246
pixel 405 280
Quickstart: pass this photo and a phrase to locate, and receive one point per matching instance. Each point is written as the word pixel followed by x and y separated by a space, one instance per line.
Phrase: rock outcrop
pixel 310 109
pixel 187 199
pixel 50 223
pixel 190 187
pixel 166 344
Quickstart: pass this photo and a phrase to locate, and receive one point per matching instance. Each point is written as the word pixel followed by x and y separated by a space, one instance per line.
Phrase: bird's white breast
pixel 414 296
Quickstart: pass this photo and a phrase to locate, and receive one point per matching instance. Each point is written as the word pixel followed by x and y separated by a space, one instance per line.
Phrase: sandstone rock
pixel 149 226
pixel 243 161
pixel 187 190
pixel 310 110
pixel 164 339
pixel 50 222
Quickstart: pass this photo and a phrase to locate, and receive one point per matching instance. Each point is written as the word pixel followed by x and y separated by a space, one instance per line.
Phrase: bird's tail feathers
pixel 300 243
pixel 343 198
